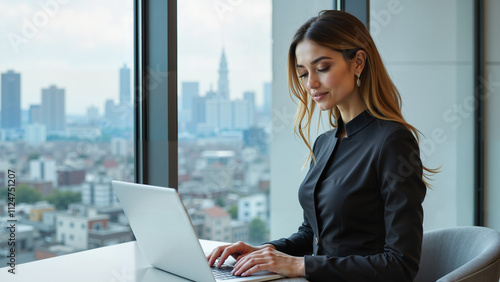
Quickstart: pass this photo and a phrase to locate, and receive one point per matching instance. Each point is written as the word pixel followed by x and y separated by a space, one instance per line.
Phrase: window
pixel 67 82
pixel 223 104
pixel 492 135
pixel 97 225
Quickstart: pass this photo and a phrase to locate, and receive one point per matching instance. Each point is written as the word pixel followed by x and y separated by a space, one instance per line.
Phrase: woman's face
pixel 325 74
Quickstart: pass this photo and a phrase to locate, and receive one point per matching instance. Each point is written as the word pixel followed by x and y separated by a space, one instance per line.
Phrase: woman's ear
pixel 359 61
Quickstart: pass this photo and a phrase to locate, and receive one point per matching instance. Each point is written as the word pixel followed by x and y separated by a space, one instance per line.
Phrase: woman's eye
pixel 303 75
pixel 324 69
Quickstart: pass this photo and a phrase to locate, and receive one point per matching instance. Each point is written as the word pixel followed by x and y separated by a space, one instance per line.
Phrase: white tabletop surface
pixel 118 263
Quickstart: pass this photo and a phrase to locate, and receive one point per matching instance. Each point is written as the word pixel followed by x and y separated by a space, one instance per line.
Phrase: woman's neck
pixel 351 108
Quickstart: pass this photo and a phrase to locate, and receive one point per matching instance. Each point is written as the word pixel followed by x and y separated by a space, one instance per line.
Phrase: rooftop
pixel 216 211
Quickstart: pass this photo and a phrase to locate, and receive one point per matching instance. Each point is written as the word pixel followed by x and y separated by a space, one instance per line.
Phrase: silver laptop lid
pixel 163 229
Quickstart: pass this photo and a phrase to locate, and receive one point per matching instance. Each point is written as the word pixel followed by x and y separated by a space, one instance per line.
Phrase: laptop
pixel 165 234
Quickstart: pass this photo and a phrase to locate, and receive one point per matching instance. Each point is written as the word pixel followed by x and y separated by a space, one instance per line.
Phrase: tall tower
pixel 11 100
pixel 124 85
pixel 54 109
pixel 223 84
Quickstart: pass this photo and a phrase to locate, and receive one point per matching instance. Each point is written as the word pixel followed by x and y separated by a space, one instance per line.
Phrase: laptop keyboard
pixel 223 273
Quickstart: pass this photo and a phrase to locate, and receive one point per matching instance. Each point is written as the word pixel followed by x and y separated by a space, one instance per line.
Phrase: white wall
pixel 79 231
pixel 427 48
pixel 288 152
pixel 492 102
pixel 48 173
pixel 251 207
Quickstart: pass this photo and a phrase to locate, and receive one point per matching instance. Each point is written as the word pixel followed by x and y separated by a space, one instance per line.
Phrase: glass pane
pixel 66 127
pixel 492 115
pixel 433 70
pixel 224 77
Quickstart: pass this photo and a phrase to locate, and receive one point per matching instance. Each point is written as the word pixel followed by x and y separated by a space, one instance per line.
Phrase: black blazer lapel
pixel 323 150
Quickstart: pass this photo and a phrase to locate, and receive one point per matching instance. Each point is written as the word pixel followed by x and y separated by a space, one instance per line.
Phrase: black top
pixel 362 203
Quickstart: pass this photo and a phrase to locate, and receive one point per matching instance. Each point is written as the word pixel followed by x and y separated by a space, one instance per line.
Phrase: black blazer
pixel 362 203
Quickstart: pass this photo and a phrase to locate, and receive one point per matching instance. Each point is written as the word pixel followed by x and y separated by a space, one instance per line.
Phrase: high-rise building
pixel 11 100
pixel 219 114
pixel 35 114
pixel 212 113
pixel 92 115
pixel 118 116
pixel 211 93
pixel 54 109
pixel 267 98
pixel 199 108
pixel 109 110
pixel 190 90
pixel 249 96
pixel 223 83
pixel 241 114
pixel 124 85
pixel 225 115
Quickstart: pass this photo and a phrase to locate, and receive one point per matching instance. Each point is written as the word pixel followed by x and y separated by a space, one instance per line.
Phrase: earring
pixel 358 82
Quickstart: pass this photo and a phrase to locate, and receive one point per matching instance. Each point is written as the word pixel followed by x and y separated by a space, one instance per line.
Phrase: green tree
pixel 233 211
pixel 219 201
pixel 34 156
pixel 61 199
pixel 3 193
pixel 27 194
pixel 257 231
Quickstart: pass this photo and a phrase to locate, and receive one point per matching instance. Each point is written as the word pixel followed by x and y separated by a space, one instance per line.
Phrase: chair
pixel 465 254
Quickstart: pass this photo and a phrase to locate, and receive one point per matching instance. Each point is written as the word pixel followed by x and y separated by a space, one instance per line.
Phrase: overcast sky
pixel 80 45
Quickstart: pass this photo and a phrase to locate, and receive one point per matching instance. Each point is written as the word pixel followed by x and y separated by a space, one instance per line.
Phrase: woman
pixel 363 193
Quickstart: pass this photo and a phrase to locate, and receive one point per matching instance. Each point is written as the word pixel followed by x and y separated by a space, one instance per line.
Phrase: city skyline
pixel 52 113
pixel 83 56
pixel 76 130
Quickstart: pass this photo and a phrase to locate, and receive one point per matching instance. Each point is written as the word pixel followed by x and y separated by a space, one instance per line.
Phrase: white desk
pixel 117 263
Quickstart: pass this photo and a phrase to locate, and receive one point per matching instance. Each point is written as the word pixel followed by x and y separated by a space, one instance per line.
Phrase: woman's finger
pixel 256 268
pixel 215 254
pixel 256 262
pixel 235 249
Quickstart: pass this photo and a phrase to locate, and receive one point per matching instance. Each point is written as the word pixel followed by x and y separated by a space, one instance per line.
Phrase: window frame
pixel 155 92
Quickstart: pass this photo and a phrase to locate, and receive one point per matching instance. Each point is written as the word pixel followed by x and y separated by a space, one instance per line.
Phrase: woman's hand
pixel 268 258
pixel 236 250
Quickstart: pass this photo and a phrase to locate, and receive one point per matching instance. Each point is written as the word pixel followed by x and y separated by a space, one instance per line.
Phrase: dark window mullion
pixel 479 113
pixel 156 92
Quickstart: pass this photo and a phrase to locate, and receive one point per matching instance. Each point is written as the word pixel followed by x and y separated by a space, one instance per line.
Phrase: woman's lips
pixel 319 95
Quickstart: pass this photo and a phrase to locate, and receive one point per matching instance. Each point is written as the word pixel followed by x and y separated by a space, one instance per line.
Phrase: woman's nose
pixel 313 82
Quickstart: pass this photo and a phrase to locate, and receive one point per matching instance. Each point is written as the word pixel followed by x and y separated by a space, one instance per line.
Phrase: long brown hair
pixel 342 32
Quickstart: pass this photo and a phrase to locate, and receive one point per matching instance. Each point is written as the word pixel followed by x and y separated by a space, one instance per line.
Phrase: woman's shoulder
pixel 390 132
pixel 326 135
pixel 388 127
